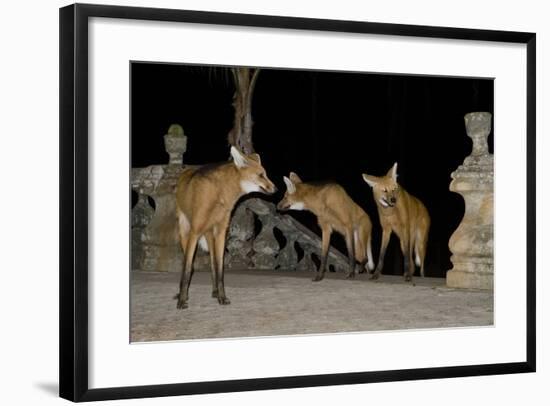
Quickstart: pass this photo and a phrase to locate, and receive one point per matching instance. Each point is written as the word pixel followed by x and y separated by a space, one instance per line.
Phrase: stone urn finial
pixel 175 143
pixel 478 127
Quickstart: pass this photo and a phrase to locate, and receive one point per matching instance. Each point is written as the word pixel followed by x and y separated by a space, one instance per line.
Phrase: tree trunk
pixel 241 231
pixel 240 135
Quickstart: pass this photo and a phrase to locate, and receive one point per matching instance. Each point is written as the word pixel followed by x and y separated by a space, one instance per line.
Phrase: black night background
pixel 324 125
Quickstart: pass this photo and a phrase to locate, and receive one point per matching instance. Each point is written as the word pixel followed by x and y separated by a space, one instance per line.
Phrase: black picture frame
pixel 73 281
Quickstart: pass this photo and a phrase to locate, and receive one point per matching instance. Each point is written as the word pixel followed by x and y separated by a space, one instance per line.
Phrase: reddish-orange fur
pixel 205 197
pixel 335 211
pixel 403 214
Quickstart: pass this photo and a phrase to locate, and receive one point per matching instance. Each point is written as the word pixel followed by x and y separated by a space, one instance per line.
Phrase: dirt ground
pixel 265 303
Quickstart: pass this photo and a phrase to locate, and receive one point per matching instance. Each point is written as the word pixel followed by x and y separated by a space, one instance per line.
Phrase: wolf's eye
pixel 385 190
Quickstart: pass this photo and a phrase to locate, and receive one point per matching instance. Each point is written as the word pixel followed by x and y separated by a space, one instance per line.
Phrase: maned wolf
pixel 205 197
pixel 335 211
pixel 403 214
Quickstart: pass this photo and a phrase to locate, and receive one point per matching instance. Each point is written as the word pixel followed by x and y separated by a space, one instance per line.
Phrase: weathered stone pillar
pixel 160 249
pixel 472 242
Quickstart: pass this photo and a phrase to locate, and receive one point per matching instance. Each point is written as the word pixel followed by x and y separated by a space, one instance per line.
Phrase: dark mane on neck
pixel 321 182
pixel 206 169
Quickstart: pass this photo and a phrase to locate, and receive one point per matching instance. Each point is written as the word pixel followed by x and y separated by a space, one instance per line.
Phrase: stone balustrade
pixel 260 237
pixel 297 250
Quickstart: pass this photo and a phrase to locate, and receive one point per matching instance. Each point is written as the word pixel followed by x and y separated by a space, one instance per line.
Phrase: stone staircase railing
pixel 300 244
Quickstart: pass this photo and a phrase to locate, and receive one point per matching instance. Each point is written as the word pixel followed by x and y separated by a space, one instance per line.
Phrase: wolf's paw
pixel 317 278
pixel 374 276
pixel 350 275
pixel 223 300
pixel 182 304
pixel 215 294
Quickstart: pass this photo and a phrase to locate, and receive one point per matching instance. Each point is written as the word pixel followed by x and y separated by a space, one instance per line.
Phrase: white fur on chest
pixel 297 206
pixel 249 187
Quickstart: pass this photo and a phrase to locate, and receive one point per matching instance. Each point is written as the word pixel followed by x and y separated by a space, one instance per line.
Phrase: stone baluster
pixel 472 242
pixel 142 213
pixel 238 246
pixel 265 245
pixel 306 263
pixel 287 258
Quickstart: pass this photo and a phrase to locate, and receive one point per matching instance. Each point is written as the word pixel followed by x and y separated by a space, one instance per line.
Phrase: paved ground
pixel 265 303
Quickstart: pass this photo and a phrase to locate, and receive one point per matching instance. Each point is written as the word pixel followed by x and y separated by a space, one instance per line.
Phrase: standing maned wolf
pixel 403 214
pixel 205 197
pixel 335 211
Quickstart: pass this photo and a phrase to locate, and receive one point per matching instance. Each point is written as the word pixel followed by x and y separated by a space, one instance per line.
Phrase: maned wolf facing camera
pixel 335 211
pixel 205 197
pixel 403 214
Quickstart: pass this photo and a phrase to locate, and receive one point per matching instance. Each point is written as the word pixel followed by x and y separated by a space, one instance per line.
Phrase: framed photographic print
pixel 255 202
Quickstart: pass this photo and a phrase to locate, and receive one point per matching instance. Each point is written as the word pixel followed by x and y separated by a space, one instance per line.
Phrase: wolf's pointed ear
pixel 238 158
pixel 255 157
pixel 295 178
pixel 393 172
pixel 371 180
pixel 290 187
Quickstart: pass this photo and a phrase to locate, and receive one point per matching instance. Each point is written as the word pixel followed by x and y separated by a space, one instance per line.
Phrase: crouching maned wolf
pixel 205 197
pixel 335 211
pixel 403 214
